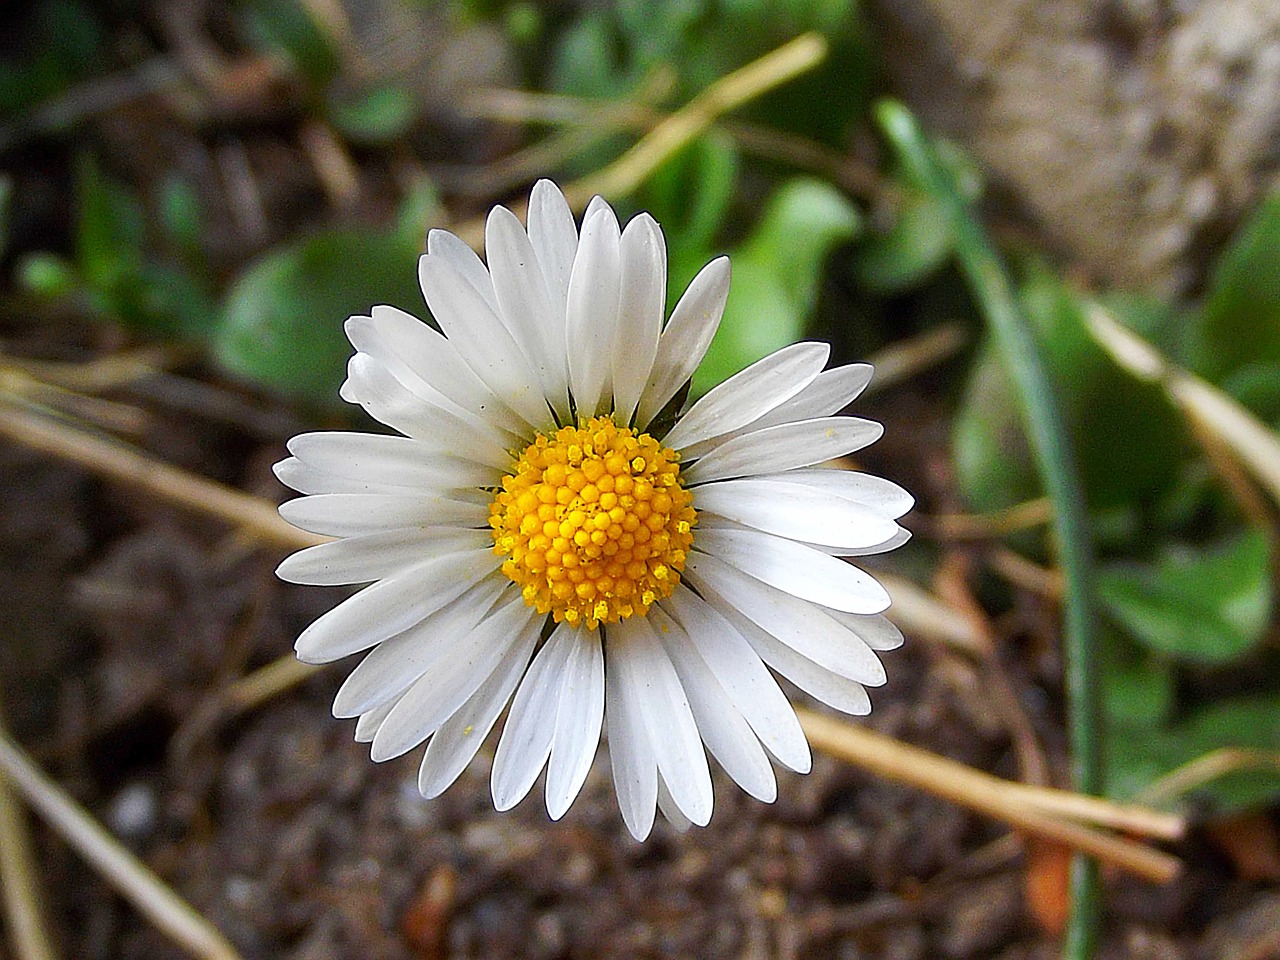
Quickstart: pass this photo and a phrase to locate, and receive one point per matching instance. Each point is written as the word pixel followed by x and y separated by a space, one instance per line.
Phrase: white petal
pixel 578 720
pixel 876 630
pixel 749 394
pixel 296 475
pixel 555 240
pixel 454 745
pixel 393 461
pixel 395 664
pixel 438 695
pixel 435 361
pixel 389 401
pixel 900 536
pixel 635 771
pixel 458 253
pixel 482 340
pixel 685 340
pixel 355 514
pixel 795 511
pixel 376 555
pixel 799 570
pixel 797 623
pixel 389 606
pixel 368 724
pixel 531 723
pixel 592 317
pixel 783 447
pixel 826 686
pixel 884 495
pixel 673 734
pixel 526 307
pixel 670 809
pixel 753 690
pixel 641 309
pixel 828 394
pixel 727 735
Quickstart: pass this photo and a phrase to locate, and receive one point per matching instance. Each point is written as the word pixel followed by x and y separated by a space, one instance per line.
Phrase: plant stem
pixel 1017 346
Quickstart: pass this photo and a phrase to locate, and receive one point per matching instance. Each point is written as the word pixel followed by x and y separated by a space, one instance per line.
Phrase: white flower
pixel 547 528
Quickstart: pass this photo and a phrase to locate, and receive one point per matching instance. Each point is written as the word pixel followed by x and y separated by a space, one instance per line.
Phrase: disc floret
pixel 594 522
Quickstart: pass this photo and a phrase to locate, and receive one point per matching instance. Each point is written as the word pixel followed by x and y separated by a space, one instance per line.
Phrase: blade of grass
pixel 1054 458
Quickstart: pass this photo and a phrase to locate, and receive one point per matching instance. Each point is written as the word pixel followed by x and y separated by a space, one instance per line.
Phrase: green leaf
pixel 182 215
pixel 375 117
pixel 690 196
pixel 1139 755
pixel 1138 687
pixel 916 245
pixel 1127 436
pixel 47 275
pixel 110 230
pixel 286 25
pixel 775 276
pixel 282 323
pixel 1207 607
pixel 1240 322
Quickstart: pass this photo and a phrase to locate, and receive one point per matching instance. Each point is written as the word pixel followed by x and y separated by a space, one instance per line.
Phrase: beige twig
pixel 28 933
pixel 1001 523
pixel 1012 803
pixel 919 612
pixel 680 128
pixel 121 462
pixel 1025 573
pixel 129 875
pixel 1210 766
pixel 1252 442
pixel 904 360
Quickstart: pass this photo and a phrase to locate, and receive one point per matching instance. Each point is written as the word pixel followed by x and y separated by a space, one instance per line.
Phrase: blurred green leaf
pixel 374 117
pixel 1203 606
pixel 917 244
pixel 690 196
pixel 110 230
pixel 285 25
pixel 1138 687
pixel 1257 386
pixel 182 215
pixel 1127 436
pixel 1139 755
pixel 282 323
pixel 1240 322
pixel 775 276
pixel 47 275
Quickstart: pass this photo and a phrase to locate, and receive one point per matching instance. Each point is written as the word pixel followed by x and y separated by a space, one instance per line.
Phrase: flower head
pixel 551 536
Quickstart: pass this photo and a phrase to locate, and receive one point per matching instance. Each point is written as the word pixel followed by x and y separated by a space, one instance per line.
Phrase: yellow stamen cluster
pixel 594 523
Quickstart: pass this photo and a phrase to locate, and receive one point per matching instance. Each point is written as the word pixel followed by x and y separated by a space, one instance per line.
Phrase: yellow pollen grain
pixel 594 522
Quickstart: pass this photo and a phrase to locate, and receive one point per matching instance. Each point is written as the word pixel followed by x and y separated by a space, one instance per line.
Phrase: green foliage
pixel 280 327
pixel 1205 606
pixel 377 116
pixel 1128 438
pixel 775 276
pixel 287 27
pixel 1240 322
pixel 1138 755
pixel 67 47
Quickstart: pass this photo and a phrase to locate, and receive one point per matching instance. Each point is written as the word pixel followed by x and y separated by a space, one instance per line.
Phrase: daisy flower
pixel 554 536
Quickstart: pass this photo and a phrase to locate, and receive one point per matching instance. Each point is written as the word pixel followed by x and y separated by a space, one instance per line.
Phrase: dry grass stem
pixel 125 872
pixel 1011 803
pixel 680 128
pixel 1253 443
pixel 919 612
pixel 121 462
pixel 1217 763
pixel 1027 574
pixel 909 358
pixel 1002 523
pixel 24 916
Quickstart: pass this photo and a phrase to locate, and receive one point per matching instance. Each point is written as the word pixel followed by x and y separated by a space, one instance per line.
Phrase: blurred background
pixel 194 195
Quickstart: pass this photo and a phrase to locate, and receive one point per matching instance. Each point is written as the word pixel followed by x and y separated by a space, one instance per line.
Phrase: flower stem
pixel 1021 355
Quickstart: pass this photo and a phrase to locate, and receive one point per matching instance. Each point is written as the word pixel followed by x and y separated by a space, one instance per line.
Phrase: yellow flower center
pixel 594 523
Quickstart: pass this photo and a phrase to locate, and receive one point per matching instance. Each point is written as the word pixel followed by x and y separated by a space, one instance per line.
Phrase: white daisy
pixel 548 535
